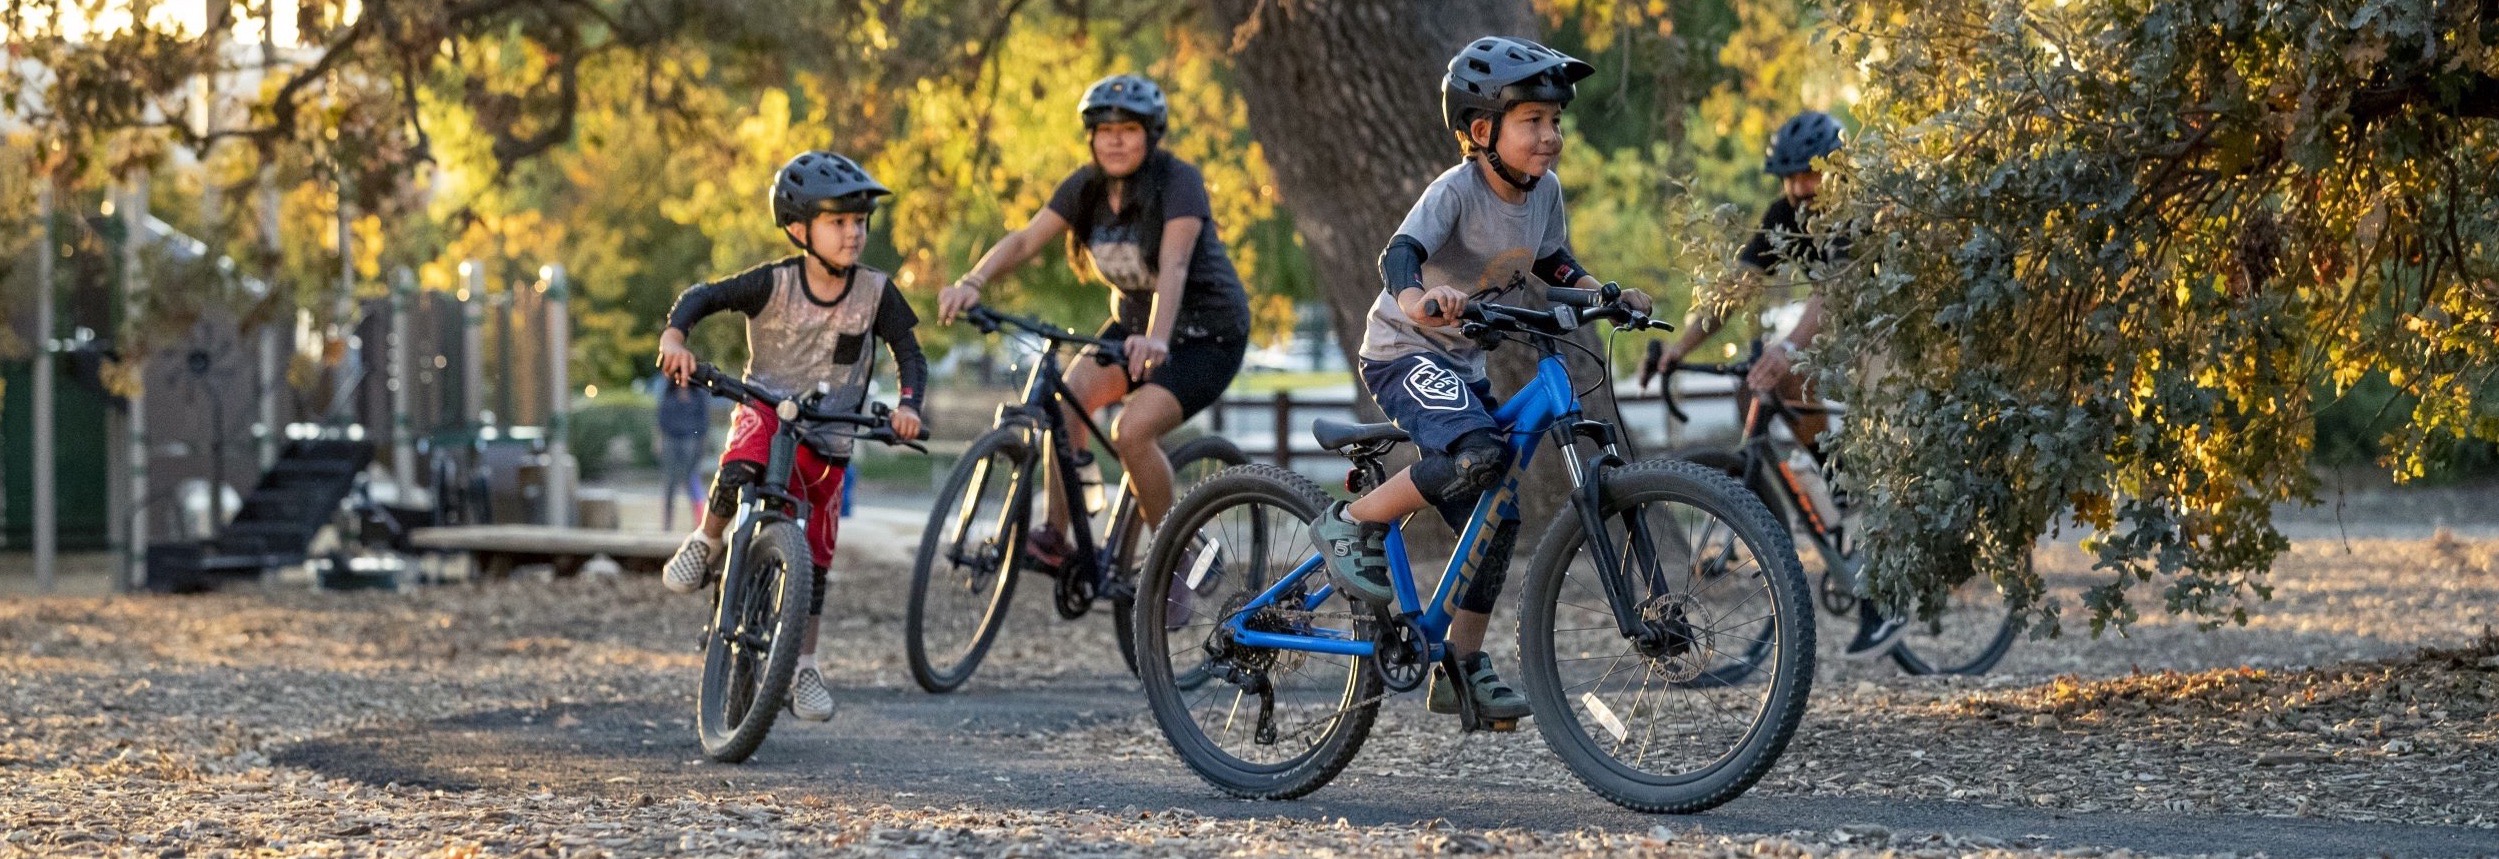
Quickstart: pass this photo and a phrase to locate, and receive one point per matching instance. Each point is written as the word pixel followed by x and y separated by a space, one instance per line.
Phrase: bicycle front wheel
pixel 752 651
pixel 965 573
pixel 1716 592
pixel 1968 635
pixel 1258 722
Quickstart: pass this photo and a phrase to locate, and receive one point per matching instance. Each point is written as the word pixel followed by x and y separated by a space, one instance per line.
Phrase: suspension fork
pixel 1587 501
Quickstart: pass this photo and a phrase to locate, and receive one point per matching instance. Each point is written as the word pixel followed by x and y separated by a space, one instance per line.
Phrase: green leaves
pixel 2125 242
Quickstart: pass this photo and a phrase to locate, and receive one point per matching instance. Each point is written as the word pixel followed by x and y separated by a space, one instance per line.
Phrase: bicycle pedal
pixel 1498 726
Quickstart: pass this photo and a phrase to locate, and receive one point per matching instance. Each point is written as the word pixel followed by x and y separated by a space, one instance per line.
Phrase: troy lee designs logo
pixel 1436 388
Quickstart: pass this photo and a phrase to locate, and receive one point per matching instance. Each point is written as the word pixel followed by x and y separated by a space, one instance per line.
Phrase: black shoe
pixel 1876 634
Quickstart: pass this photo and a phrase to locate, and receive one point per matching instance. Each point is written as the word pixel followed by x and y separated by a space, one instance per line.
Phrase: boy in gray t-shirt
pixel 1487 230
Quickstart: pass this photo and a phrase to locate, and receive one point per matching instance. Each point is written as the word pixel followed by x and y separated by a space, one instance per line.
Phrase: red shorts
pixel 812 478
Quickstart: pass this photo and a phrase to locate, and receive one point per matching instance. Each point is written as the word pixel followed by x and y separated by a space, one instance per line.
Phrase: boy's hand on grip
pixel 906 422
pixel 1638 301
pixel 1437 306
pixel 675 360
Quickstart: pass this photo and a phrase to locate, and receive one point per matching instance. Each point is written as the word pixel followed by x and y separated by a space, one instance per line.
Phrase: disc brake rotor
pixel 1678 651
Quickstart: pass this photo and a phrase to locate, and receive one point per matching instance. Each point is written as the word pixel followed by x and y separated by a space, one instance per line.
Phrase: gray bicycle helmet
pixel 1495 72
pixel 1125 97
pixel 815 182
pixel 1797 143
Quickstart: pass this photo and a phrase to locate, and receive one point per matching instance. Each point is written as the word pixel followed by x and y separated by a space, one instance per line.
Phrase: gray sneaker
pixel 691 568
pixel 809 699
pixel 1356 554
pixel 1494 699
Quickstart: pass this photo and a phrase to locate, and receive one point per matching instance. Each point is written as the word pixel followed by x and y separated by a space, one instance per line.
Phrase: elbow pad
pixel 1559 268
pixel 1401 265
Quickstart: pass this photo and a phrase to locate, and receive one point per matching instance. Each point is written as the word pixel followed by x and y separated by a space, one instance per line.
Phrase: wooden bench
pixel 499 548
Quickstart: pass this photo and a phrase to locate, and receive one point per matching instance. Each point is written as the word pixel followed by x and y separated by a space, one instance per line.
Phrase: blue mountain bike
pixel 1666 638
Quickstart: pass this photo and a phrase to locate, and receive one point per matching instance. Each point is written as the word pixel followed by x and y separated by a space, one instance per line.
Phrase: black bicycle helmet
pixel 1125 97
pixel 1797 143
pixel 815 182
pixel 1495 72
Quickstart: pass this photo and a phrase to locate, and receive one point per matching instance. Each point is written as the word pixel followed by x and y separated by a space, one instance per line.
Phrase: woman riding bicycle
pixel 1137 219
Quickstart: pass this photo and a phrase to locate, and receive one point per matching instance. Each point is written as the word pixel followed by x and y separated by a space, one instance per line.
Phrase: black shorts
pixel 1197 371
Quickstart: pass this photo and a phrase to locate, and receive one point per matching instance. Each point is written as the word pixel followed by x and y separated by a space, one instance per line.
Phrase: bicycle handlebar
pixel 1735 369
pixel 1572 307
pixel 1106 352
pixel 873 423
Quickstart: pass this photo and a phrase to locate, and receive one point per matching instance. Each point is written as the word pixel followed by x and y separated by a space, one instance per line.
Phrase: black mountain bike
pixel 1975 627
pixel 759 611
pixel 966 572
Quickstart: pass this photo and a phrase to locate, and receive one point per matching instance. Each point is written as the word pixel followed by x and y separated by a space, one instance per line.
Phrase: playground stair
pixel 298 495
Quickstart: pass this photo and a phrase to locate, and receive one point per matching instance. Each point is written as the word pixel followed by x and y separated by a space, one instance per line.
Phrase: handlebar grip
pixel 1666 389
pixel 1431 307
pixel 1573 296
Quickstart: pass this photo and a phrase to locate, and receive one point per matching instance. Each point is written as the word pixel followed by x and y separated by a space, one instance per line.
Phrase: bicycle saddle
pixel 1334 434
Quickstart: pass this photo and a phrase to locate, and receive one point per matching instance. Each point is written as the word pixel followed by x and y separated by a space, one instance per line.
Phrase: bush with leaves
pixel 2112 249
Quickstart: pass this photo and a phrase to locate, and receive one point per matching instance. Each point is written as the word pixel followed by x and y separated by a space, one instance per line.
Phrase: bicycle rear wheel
pixel 1191 463
pixel 752 650
pixel 1260 723
pixel 1626 713
pixel 964 576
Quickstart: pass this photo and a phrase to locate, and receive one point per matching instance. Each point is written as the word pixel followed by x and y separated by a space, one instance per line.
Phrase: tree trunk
pixel 1344 96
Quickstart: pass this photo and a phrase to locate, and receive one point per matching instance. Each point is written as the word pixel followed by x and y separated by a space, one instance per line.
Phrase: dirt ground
pixel 536 717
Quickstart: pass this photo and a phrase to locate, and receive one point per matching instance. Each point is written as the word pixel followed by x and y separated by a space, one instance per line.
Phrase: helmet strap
pixel 1491 151
pixel 848 273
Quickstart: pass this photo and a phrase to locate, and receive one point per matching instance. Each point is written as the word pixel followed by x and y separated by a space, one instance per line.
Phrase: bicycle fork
pixel 1588 503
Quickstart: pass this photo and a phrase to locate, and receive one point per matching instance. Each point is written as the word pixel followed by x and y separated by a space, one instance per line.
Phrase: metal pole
pixel 402 380
pixel 559 397
pixel 472 344
pixel 47 501
pixel 272 361
pixel 134 219
pixel 506 411
pixel 343 311
pixel 1284 430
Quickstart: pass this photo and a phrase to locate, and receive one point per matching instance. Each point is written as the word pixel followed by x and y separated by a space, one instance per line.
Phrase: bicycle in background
pixel 1975 627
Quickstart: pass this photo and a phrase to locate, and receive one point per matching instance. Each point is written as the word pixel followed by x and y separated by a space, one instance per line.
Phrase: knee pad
pixel 1471 466
pixel 1494 570
pixel 733 474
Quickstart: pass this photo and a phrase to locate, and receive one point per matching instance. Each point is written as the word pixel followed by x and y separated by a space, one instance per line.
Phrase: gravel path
pixel 548 718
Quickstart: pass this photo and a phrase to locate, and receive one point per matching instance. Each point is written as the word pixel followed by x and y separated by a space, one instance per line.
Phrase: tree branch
pixel 2478 98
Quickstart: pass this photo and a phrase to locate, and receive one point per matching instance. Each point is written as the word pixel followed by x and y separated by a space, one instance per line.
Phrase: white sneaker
pixel 809 699
pixel 691 568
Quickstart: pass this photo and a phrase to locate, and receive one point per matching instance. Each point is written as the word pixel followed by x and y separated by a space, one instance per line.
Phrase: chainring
pixel 1401 652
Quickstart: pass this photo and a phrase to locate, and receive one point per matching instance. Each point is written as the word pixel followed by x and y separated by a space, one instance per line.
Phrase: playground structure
pixel 238 439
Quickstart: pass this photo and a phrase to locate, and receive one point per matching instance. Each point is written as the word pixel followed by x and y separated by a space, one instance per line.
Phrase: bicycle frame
pixel 1546 405
pixel 756 501
pixel 1044 391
